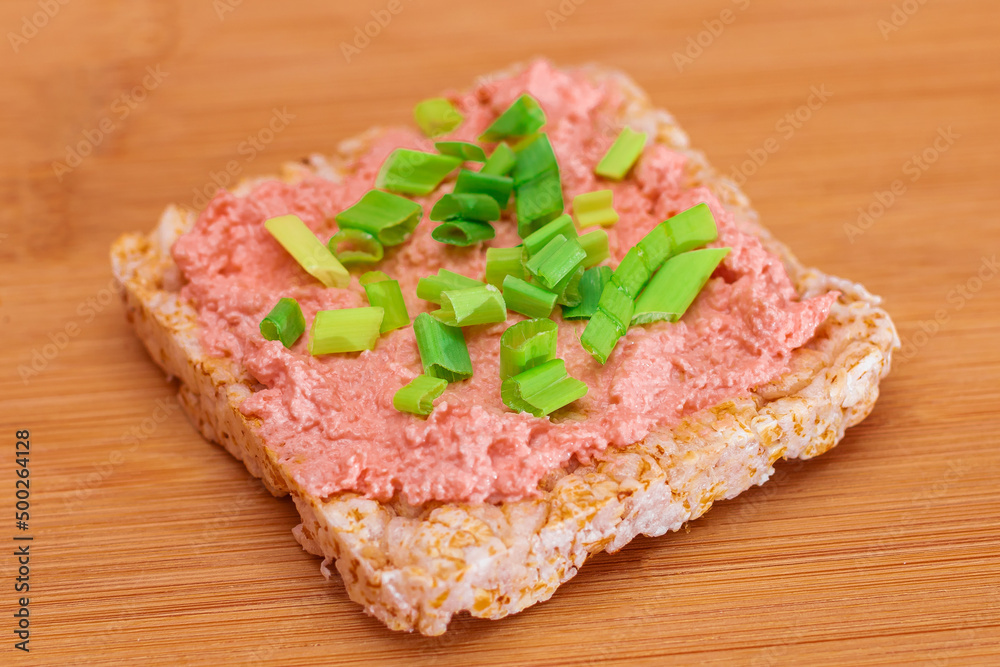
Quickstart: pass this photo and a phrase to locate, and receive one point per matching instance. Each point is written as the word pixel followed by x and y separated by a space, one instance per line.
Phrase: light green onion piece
pixel 503 262
pixel 558 259
pixel 501 161
pixel 595 244
pixel 632 274
pixel 563 225
pixel 436 116
pixel 372 277
pixel 299 241
pixel 527 299
pixel 568 288
pixel 466 206
pixel 527 344
pixel 430 288
pixel 617 304
pixel 538 201
pixel 355 246
pixel 534 157
pixel 477 182
pixel 417 396
pixel 388 217
pixel 521 118
pixel 691 229
pixel 542 389
pixel 285 322
pixel 461 149
pixel 345 330
pixel 600 336
pixel 595 208
pixel 655 247
pixel 463 232
pixel 443 351
pixel 412 172
pixel 622 155
pixel 467 307
pixel 386 295
pixel 676 285
pixel 591 287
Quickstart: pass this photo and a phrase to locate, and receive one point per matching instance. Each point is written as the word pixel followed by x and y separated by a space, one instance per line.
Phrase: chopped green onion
pixel 461 149
pixel 542 389
pixel 568 288
pixel 501 161
pixel 617 304
pixel 477 182
pixel 595 244
pixel 676 285
pixel 527 299
pixel 355 246
pixel 534 157
pixel 600 336
pixel 463 232
pixel 388 217
pixel 622 155
pixel 591 287
pixel 691 229
pixel 436 116
pixel 345 330
pixel 521 118
pixel 443 351
pixel 430 288
pixel 527 344
pixel 299 241
pixel 563 225
pixel 372 277
pixel 632 274
pixel 386 295
pixel 466 206
pixel 558 259
pixel 467 307
pixel 595 208
pixel 538 201
pixel 503 262
pixel 417 396
pixel 655 247
pixel 285 322
pixel 412 172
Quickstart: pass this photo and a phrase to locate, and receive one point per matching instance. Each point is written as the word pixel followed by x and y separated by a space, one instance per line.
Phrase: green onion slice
pixel 558 259
pixel 418 395
pixel 521 118
pixel 461 149
pixel 388 217
pixel 595 208
pixel 691 229
pixel 430 288
pixel 299 241
pixel 534 157
pixel 676 285
pixel 443 351
pixel 412 172
pixel 617 304
pixel 527 299
pixel 655 247
pixel 527 344
pixel 501 161
pixel 345 330
pixel 466 206
pixel 601 335
pixel 285 322
pixel 568 288
pixel 483 304
pixel 538 201
pixel 463 232
pixel 503 262
pixel 355 246
pixel 632 273
pixel 478 182
pixel 591 287
pixel 622 155
pixel 542 389
pixel 372 277
pixel 436 116
pixel 595 244
pixel 387 295
pixel 563 225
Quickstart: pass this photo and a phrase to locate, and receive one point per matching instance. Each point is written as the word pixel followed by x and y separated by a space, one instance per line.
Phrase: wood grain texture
pixel 152 546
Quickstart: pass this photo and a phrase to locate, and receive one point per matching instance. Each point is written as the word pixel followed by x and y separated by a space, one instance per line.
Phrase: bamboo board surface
pixel 152 547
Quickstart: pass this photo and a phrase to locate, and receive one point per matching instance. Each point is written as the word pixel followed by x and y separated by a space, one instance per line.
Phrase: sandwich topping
pixel 529 305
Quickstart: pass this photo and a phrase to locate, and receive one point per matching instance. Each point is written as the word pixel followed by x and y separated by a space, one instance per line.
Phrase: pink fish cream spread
pixel 330 418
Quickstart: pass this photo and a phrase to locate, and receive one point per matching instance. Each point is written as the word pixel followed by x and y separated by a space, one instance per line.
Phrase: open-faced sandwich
pixel 475 351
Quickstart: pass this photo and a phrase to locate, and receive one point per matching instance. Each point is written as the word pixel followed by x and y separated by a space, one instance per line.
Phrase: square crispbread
pixel 413 567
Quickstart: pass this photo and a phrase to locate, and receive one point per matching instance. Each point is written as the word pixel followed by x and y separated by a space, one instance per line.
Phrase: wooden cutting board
pixel 151 546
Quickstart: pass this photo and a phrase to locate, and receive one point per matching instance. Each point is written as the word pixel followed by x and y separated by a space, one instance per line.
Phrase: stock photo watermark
pixel 899 17
pixel 713 28
pixel 223 7
pixel 563 11
pixel 34 23
pixel 364 34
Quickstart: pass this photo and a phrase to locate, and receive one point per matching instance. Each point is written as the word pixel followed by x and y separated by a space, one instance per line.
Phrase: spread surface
pixel 330 418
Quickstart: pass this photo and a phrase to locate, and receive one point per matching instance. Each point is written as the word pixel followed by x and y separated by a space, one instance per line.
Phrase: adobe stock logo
pixel 30 25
